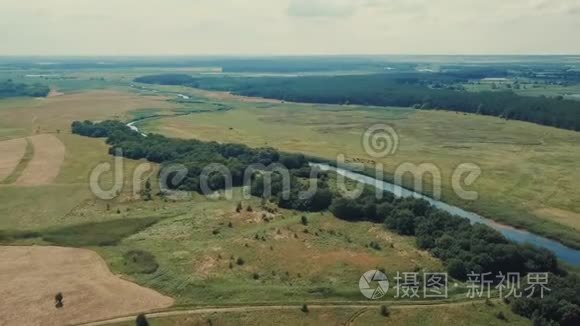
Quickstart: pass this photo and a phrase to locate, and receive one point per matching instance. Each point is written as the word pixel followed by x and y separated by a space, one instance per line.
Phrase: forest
pixel 463 247
pixel 418 90
pixel 9 88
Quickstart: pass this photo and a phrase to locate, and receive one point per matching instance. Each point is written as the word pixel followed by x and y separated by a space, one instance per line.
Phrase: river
pixel 566 254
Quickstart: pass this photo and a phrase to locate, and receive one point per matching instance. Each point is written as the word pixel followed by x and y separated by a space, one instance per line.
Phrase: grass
pixel 193 250
pixel 107 233
pixel 69 199
pixel 188 256
pixel 28 154
pixel 528 170
pixel 476 314
pixel 198 254
pixel 139 261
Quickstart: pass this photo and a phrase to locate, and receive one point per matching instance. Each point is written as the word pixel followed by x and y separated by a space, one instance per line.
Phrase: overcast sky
pixel 245 27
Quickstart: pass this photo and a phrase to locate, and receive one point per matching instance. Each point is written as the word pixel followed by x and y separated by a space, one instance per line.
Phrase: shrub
pixel 141 320
pixel 500 316
pixel 140 261
pixel 107 233
pixel 385 311
pixel 304 308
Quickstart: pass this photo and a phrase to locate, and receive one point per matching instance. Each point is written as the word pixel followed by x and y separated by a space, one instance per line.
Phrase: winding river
pixel 566 254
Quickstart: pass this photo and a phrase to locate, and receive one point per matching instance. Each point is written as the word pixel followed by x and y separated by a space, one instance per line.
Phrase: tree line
pixel 404 90
pixel 9 88
pixel 462 247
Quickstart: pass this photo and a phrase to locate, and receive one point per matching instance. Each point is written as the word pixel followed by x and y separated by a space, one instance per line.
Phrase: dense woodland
pixel 9 88
pixel 463 247
pixel 421 91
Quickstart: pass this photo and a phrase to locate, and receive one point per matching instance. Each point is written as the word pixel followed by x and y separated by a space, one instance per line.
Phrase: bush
pixel 240 261
pixel 141 320
pixel 500 316
pixel 385 311
pixel 107 233
pixel 140 261
pixel 304 308
pixel 374 245
pixel 456 269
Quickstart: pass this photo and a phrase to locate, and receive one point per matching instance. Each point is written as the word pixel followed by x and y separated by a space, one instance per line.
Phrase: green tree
pixel 141 320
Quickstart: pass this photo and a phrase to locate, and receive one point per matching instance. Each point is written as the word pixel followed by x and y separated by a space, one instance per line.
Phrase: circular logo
pixel 380 141
pixel 373 284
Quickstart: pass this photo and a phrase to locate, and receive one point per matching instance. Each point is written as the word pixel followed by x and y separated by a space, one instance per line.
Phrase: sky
pixel 288 27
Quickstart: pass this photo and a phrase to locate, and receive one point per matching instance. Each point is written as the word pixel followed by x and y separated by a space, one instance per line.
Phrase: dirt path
pixel 45 165
pixel 364 308
pixel 11 152
pixel 30 277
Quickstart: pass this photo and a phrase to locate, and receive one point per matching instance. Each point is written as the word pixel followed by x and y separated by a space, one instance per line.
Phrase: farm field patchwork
pixel 203 252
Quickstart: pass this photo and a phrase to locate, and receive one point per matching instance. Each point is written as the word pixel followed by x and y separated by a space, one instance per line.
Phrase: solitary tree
pixel 385 311
pixel 58 299
pixel 147 191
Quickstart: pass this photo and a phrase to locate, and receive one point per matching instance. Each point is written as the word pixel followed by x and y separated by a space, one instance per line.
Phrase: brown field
pixel 25 117
pixel 45 164
pixel 30 277
pixel 11 152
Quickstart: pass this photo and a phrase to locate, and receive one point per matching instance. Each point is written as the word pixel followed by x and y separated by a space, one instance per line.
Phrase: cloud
pixel 206 27
pixel 322 8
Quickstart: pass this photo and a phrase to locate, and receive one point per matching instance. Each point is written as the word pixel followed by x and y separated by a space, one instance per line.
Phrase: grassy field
pixel 529 171
pixel 201 252
pixel 213 255
pixel 476 314
pixel 62 201
pixel 189 240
